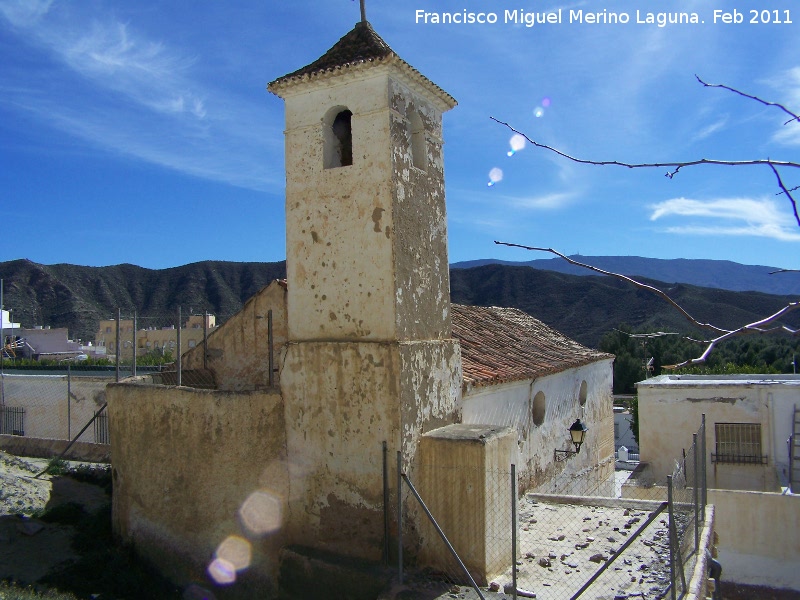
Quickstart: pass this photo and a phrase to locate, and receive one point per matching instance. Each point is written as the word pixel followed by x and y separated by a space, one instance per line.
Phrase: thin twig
pixel 787 192
pixel 675 164
pixel 756 98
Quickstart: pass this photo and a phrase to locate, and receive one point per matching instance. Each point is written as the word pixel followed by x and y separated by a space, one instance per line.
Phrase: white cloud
pixel 542 202
pixel 734 216
pixel 709 130
pixel 23 13
pixel 788 86
pixel 137 95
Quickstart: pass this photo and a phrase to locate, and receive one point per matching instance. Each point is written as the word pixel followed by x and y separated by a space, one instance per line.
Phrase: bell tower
pixel 366 232
pixel 370 355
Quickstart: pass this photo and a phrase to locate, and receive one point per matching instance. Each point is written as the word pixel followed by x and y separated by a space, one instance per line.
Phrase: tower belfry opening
pixel 341 152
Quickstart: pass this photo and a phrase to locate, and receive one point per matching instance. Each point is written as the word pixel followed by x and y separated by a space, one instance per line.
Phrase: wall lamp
pixel 577 432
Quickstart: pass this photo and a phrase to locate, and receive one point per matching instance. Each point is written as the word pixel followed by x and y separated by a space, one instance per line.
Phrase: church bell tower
pixel 370 356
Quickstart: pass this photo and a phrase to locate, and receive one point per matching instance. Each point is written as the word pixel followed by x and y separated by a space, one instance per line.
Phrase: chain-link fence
pixel 470 530
pixel 55 405
pixel 171 347
pixel 44 397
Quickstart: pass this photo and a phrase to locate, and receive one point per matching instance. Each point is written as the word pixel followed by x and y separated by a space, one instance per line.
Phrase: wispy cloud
pixel 732 216
pixel 138 95
pixel 789 86
pixel 711 129
pixel 23 13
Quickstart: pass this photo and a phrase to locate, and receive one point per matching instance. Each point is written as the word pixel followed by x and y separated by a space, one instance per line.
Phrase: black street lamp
pixel 577 433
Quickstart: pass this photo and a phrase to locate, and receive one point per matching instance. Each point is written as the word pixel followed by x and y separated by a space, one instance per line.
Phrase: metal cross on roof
pixel 363 12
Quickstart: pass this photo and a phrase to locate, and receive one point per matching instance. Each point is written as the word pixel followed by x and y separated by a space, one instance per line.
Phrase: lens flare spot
pixel 262 513
pixel 546 102
pixel 538 112
pixel 495 176
pixel 222 572
pixel 517 143
pixel 236 551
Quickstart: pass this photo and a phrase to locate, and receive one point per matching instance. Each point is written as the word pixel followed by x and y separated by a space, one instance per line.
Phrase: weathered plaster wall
pixel 512 405
pixel 340 402
pixel 464 478
pixel 422 274
pixel 366 243
pixel 44 398
pixel 430 391
pixel 238 352
pixel 194 468
pixel 758 540
pixel 343 400
pixel 339 221
pixel 671 409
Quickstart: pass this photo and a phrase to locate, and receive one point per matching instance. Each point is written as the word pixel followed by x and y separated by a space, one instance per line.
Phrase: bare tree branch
pixel 676 165
pixel 756 98
pixel 638 284
pixel 754 327
pixel 787 192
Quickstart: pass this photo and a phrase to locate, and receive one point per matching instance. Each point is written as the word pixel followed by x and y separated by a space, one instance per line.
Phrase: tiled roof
pixel 505 344
pixel 359 46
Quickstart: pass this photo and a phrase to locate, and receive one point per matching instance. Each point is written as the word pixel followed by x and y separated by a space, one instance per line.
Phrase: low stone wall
pixel 201 483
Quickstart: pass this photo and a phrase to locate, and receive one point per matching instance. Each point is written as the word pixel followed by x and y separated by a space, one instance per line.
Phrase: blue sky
pixel 142 132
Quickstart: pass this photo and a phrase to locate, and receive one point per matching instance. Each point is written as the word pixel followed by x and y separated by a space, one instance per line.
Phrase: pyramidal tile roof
pixel 505 344
pixel 359 46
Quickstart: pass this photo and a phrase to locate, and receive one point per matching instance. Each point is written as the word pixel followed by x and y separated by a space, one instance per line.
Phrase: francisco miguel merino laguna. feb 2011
pixel 556 17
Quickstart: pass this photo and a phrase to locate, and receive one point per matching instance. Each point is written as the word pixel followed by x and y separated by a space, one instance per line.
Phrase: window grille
pixel 738 443
pixel 12 420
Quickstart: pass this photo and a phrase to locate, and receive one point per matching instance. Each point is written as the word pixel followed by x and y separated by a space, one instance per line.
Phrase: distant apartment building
pixel 151 339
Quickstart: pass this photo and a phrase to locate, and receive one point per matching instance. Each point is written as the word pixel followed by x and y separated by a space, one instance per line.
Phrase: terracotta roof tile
pixel 360 44
pixel 505 344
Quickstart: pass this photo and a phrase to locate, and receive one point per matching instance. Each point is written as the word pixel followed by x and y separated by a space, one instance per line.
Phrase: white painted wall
pixel 511 405
pixel 671 409
pixel 753 549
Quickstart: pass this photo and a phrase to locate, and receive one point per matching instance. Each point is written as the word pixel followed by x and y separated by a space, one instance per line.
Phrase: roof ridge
pixel 360 44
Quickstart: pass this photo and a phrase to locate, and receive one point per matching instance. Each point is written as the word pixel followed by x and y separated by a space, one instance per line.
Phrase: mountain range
pixel 582 307
pixel 722 274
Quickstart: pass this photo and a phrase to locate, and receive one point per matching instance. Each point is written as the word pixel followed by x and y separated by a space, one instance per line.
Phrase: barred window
pixel 738 443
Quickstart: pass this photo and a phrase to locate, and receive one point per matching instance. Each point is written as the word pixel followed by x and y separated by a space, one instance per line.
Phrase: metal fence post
pixel 116 343
pixel 133 364
pixel 178 366
pixel 400 517
pixel 672 549
pixel 205 340
pixel 696 496
pixel 704 499
pixel 514 526
pixel 270 349
pixel 69 396
pixel 385 451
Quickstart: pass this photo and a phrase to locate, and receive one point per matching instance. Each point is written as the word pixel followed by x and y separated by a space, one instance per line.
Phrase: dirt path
pixel 30 547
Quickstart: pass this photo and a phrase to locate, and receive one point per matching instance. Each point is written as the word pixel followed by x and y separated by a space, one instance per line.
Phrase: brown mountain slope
pixel 583 308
